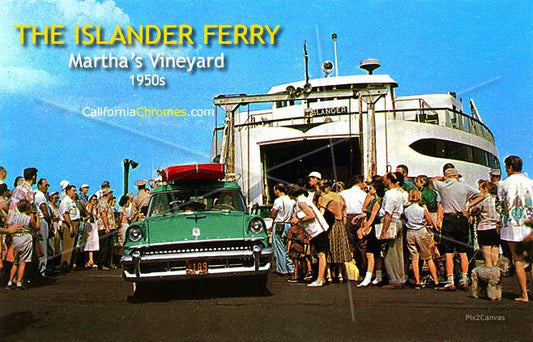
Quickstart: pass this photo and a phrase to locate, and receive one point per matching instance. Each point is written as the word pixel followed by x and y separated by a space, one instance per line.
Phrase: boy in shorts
pixel 419 239
pixel 22 241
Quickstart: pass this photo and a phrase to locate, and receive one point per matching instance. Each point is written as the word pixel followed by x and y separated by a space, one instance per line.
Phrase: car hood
pixel 190 226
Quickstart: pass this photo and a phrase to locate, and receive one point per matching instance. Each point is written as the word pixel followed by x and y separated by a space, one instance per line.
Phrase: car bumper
pixel 172 266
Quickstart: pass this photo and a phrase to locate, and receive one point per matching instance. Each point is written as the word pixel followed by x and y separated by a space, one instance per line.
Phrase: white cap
pixel 315 174
pixel 495 172
pixel 64 184
pixel 84 186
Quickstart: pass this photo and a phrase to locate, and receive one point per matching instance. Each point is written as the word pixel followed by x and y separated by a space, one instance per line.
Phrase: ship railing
pixel 445 117
pixel 422 113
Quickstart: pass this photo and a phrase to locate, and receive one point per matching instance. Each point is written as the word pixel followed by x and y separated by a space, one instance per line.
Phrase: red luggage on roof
pixel 194 172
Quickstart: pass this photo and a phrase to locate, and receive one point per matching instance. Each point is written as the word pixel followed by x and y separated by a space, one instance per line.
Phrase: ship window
pixel 454 150
pixel 466 123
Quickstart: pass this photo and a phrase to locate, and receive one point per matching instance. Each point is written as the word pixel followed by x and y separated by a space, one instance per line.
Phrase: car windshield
pixel 262 211
pixel 195 200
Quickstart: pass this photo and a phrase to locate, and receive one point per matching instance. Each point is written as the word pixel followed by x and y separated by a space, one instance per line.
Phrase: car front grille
pixel 200 247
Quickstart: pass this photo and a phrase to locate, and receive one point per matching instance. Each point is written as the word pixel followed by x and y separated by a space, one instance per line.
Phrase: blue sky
pixel 478 49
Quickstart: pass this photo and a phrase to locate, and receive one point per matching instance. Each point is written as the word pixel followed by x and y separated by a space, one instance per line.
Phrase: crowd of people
pixel 57 231
pixel 394 226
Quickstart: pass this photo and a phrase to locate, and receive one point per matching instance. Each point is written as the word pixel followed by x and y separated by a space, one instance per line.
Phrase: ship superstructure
pixel 348 125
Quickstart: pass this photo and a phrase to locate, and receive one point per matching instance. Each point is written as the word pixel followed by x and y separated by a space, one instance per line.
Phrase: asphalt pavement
pixel 92 305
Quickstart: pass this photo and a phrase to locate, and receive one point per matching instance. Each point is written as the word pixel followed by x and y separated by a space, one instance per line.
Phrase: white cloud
pixel 18 79
pixel 103 13
pixel 32 69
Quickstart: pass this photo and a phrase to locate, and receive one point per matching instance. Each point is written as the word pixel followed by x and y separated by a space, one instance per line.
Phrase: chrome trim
pixel 135 260
pixel 182 275
pixel 152 258
pixel 248 239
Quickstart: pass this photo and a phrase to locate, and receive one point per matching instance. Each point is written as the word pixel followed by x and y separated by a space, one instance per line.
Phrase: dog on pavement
pixel 486 281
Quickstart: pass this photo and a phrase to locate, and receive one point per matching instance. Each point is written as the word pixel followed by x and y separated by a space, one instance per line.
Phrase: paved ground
pixel 96 306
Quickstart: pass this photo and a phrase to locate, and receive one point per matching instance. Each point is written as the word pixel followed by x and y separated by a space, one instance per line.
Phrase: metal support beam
pixel 370 97
pixel 232 103
pixel 243 99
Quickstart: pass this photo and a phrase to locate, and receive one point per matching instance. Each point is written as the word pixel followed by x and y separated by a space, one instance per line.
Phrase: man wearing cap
pixel 313 180
pixel 105 222
pixel 84 190
pixel 140 201
pixel 495 176
pixel 63 184
pixel 456 199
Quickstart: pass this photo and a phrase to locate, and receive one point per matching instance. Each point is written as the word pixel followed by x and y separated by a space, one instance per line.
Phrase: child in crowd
pixel 488 223
pixel 297 245
pixel 419 240
pixel 430 199
pixel 22 241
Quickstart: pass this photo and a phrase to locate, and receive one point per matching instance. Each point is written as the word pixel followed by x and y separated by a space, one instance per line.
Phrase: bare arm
pixel 440 217
pixel 34 221
pixel 68 221
pixel 374 213
pixel 309 215
pixel 473 202
pixel 368 198
pixel 11 228
pixel 428 217
pixel 44 210
pixel 386 224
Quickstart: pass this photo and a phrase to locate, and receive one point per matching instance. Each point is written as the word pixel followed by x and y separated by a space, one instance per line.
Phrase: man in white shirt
pixel 355 198
pixel 313 179
pixel 70 217
pixel 281 213
pixel 515 193
pixel 44 220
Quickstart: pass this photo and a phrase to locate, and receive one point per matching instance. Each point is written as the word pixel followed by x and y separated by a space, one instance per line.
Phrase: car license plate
pixel 197 267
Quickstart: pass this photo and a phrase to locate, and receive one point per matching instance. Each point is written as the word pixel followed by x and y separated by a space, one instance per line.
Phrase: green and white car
pixel 196 227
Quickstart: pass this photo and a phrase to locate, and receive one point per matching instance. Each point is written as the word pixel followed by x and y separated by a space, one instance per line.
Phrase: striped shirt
pixel 16 217
pixel 489 217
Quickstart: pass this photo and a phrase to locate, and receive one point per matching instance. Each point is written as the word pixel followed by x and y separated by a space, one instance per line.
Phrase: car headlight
pixel 256 226
pixel 135 234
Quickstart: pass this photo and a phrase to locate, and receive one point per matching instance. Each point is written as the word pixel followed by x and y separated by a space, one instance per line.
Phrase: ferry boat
pixel 346 125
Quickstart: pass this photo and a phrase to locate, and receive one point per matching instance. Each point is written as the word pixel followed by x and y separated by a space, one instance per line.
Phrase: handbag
pixel 315 227
pixel 352 272
pixel 391 233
